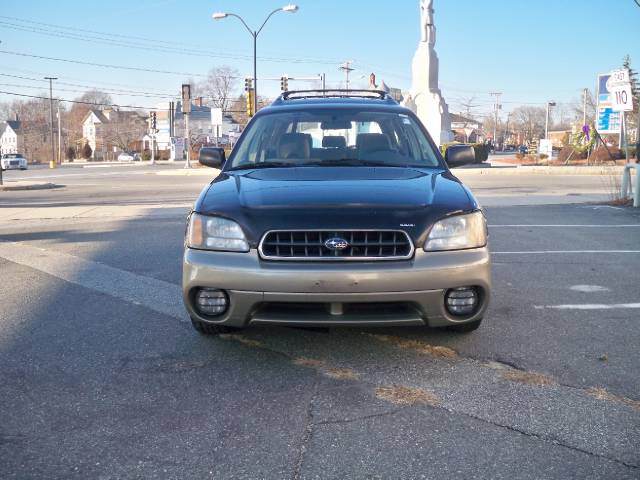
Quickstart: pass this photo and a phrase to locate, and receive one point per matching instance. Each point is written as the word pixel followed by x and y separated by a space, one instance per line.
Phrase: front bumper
pixel 410 292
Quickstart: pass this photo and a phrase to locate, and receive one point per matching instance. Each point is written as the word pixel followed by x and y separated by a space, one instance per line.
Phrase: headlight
pixel 458 232
pixel 215 233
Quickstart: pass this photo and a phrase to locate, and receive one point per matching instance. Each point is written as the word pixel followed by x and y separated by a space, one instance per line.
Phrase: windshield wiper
pixel 351 162
pixel 252 166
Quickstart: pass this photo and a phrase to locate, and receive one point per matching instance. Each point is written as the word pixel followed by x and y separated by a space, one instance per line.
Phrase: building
pixel 466 130
pixel 558 137
pixel 111 131
pixel 11 139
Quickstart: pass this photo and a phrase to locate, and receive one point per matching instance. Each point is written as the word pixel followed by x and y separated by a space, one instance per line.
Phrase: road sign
pixel 618 77
pixel 186 98
pixel 609 120
pixel 216 116
pixel 622 98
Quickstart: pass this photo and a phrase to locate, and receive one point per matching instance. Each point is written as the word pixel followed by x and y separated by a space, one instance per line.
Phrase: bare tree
pixel 529 120
pixel 72 121
pixel 219 86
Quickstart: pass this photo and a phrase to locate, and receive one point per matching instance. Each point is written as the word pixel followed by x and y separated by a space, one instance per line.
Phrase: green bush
pixel 146 155
pixel 86 151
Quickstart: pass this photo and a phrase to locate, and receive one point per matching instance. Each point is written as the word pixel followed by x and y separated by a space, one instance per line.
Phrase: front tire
pixel 211 329
pixel 466 327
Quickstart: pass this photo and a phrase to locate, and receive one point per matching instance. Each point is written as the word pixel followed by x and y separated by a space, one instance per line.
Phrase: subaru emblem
pixel 336 243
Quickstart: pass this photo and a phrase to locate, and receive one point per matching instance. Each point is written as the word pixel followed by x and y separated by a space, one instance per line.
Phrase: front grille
pixel 352 245
pixel 14 163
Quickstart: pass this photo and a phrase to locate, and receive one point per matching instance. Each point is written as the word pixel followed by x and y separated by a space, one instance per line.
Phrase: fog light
pixel 462 301
pixel 211 301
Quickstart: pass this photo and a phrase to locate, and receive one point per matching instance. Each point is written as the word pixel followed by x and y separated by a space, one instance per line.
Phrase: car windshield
pixel 334 137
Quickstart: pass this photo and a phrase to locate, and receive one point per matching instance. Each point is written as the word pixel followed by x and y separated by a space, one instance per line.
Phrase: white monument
pixel 425 98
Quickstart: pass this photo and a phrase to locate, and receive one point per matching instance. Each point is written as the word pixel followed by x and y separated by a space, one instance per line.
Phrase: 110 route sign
pixel 619 85
pixel 621 98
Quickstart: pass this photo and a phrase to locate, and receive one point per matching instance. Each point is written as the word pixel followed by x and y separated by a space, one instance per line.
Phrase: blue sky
pixel 532 51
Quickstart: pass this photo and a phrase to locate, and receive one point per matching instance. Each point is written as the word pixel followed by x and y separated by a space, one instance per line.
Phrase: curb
pixel 542 170
pixel 201 172
pixel 35 186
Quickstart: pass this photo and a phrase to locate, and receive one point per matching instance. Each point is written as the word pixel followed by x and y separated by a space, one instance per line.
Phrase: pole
pixel 626 140
pixel 584 106
pixel 495 125
pixel 59 136
pixel 187 163
pixel 52 162
pixel 153 148
pixel 546 124
pixel 255 73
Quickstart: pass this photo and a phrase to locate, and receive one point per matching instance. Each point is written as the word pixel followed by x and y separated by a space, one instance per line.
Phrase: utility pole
pixel 52 162
pixel 546 123
pixel 584 106
pixel 59 136
pixel 497 106
pixel 346 68
pixel 187 164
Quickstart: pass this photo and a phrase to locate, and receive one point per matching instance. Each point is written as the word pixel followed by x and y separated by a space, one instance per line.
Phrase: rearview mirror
pixel 458 155
pixel 213 157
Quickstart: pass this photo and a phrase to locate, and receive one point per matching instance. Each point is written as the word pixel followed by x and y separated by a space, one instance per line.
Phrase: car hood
pixel 407 199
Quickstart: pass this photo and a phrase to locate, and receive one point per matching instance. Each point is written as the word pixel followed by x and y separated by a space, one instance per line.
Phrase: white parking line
pixel 590 306
pixel 566 226
pixel 157 295
pixel 544 252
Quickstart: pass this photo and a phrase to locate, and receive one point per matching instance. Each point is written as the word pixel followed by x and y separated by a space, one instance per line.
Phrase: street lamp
pixel 546 124
pixel 254 33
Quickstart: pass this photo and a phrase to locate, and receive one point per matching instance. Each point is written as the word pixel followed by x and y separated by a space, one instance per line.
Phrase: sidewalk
pixel 94 212
pixel 505 169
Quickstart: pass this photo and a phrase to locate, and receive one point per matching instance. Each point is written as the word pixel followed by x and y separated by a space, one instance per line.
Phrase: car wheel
pixel 466 327
pixel 211 329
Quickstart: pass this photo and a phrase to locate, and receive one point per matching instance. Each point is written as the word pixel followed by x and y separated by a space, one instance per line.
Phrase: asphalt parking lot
pixel 103 376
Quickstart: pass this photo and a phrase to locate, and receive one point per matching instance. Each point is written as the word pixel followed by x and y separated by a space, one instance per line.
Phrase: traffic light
pixel 153 121
pixel 248 84
pixel 284 83
pixel 250 111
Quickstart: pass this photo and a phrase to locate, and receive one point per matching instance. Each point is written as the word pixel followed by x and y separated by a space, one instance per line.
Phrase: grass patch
pixel 602 394
pixel 418 346
pixel 242 339
pixel 341 373
pixel 402 395
pixel 528 378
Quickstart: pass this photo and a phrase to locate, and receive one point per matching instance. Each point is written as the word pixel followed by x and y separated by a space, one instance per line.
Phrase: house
pixel 12 138
pixel 111 131
pixel 466 130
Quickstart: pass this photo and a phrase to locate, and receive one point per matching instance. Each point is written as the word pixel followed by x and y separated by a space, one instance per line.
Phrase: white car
pixel 128 157
pixel 13 161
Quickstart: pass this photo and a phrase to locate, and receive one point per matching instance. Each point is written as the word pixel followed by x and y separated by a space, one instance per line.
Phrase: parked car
pixel 523 149
pixel 336 208
pixel 13 161
pixel 128 157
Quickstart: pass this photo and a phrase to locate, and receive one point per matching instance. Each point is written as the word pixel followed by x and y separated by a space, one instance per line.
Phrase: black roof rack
pixel 335 93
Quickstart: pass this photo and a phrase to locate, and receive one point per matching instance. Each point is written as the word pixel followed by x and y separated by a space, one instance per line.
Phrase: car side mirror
pixel 212 157
pixel 458 155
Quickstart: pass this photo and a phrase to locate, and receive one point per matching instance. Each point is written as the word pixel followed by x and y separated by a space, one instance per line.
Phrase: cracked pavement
pixel 103 378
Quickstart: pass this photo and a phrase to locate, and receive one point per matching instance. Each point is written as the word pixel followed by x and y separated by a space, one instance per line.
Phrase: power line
pixel 97 104
pixel 33 72
pixel 103 65
pixel 63 32
pixel 141 95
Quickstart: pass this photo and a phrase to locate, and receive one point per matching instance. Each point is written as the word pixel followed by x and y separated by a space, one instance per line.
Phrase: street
pixel 103 376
